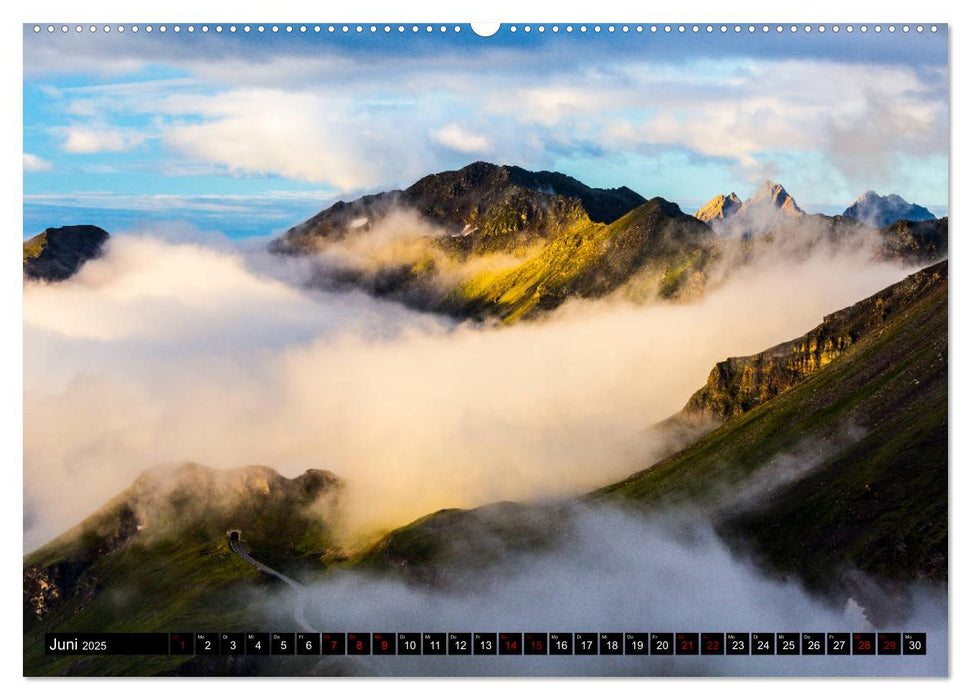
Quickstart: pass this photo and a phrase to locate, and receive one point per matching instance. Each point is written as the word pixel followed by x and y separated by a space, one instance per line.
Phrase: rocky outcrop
pixel 877 211
pixel 719 208
pixel 739 384
pixel 58 253
pixel 915 241
pixel 490 242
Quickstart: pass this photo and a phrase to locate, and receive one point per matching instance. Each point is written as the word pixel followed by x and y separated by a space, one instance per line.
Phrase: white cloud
pixel 354 123
pixel 552 104
pixel 84 139
pixel 459 139
pixel 855 115
pixel 35 164
pixel 296 135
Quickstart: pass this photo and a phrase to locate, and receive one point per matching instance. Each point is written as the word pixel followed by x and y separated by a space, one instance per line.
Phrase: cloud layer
pixel 163 352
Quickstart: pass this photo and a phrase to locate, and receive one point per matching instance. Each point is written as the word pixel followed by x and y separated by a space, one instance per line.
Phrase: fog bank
pixel 166 351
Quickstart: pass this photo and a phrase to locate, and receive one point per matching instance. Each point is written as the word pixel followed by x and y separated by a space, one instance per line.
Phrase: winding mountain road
pixel 302 595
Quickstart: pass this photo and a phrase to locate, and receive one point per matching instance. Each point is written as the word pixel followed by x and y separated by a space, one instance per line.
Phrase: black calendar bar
pixel 105 644
pixel 861 644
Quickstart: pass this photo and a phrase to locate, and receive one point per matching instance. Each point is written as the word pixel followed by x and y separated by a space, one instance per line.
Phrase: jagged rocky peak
pixel 772 195
pixel 719 208
pixel 878 211
pixel 770 206
pixel 58 253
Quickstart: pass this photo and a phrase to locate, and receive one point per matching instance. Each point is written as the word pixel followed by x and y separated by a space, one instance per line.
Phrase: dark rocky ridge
pixel 916 241
pixel 482 207
pixel 58 253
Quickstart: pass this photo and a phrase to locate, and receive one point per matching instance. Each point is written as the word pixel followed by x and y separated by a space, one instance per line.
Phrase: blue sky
pixel 249 133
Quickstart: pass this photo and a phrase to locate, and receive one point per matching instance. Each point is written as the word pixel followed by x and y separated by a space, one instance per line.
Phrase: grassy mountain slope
pixel 872 424
pixel 452 547
pixel 655 247
pixel 155 558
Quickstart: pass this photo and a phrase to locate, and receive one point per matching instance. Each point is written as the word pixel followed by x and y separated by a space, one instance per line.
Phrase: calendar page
pixel 546 349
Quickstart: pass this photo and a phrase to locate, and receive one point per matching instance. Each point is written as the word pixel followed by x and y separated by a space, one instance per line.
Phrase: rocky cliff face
pixel 877 211
pixel 58 253
pixel 739 384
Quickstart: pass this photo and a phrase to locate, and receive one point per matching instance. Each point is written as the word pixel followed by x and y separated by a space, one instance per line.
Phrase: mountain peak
pixel 57 253
pixel 758 213
pixel 775 195
pixel 719 208
pixel 878 211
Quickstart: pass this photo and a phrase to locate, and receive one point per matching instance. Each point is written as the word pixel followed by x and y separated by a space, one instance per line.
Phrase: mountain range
pixel 767 210
pixel 500 242
pixel 552 239
pixel 481 208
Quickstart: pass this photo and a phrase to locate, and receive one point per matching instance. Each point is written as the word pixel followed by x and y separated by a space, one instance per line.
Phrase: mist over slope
pixel 853 454
pixel 823 506
pixel 155 558
pixel 233 365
